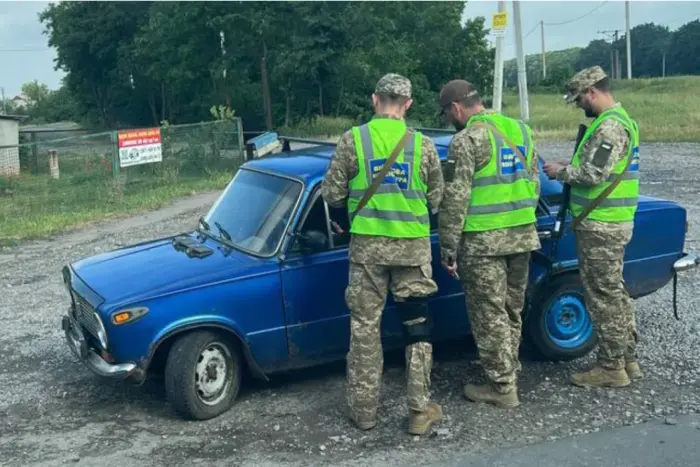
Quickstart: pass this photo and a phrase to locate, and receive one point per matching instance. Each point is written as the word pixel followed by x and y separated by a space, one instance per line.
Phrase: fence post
pixel 53 164
pixel 115 155
pixel 239 128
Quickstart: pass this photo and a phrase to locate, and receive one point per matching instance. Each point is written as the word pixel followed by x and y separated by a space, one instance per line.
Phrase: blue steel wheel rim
pixel 566 321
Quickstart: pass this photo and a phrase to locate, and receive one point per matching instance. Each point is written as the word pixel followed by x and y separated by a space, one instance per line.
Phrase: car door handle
pixel 544 234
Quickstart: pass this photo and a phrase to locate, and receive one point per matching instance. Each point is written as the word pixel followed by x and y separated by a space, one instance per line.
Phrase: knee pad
pixel 416 319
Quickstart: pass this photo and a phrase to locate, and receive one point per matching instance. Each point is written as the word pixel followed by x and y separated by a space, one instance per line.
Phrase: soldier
pixel 609 144
pixel 389 248
pixel 487 231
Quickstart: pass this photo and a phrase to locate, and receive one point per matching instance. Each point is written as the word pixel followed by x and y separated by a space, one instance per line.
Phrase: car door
pixel 313 286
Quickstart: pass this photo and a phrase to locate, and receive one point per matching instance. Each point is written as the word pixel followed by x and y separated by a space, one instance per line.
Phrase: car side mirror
pixel 312 240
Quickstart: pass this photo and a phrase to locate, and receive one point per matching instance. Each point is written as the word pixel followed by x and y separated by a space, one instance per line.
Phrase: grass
pixel 36 206
pixel 667 109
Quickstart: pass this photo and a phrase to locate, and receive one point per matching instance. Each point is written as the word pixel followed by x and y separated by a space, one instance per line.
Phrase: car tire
pixel 203 374
pixel 558 326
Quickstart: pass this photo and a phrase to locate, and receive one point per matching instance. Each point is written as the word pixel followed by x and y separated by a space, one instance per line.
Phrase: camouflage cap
pixel 583 80
pixel 394 84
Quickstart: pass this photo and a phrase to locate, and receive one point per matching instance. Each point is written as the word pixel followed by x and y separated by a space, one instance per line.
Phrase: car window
pixel 315 220
pixel 255 209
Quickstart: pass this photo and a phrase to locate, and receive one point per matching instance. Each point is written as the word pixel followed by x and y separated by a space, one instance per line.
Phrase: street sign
pixel 499 23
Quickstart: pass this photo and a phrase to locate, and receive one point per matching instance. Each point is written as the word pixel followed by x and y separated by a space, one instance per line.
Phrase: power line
pixel 580 17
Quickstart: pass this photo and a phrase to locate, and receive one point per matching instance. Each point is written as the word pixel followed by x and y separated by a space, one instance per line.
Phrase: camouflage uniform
pixel 378 264
pixel 493 267
pixel 601 247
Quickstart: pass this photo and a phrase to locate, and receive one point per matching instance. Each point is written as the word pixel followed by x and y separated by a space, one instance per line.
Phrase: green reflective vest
pixel 399 207
pixel 621 204
pixel 503 195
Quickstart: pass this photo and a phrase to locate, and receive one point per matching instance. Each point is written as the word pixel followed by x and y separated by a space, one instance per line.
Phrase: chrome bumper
pixel 686 262
pixel 78 345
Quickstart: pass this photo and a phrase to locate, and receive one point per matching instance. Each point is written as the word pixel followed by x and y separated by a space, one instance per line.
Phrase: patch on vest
pixel 510 162
pixel 398 173
pixel 602 154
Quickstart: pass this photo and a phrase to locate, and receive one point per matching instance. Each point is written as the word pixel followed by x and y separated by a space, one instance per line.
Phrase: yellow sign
pixel 500 20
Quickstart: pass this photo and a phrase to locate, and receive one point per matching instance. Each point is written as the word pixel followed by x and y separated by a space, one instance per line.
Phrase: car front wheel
pixel 559 325
pixel 203 374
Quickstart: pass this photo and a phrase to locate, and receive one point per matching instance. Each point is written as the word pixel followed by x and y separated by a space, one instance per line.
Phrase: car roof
pixel 309 164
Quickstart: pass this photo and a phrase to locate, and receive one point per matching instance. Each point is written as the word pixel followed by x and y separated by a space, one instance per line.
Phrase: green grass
pixel 37 206
pixel 667 109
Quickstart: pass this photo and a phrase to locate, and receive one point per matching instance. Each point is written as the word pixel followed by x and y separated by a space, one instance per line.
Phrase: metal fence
pixel 80 177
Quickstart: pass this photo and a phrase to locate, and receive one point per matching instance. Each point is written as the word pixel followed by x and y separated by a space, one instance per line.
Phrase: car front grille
pixel 85 315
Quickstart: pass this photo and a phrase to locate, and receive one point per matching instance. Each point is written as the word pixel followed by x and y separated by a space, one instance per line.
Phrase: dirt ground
pixel 54 411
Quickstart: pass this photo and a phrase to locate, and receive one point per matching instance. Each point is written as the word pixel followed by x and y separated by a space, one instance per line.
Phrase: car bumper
pixel 78 345
pixel 686 262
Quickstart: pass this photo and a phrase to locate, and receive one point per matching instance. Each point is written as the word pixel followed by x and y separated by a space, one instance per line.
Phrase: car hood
pixel 156 267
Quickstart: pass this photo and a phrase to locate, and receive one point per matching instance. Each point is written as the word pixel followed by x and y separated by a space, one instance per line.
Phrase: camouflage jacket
pixel 471 150
pixel 370 249
pixel 588 173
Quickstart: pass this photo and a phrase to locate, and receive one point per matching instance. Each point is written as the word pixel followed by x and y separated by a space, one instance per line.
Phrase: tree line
pixel 275 63
pixel 656 51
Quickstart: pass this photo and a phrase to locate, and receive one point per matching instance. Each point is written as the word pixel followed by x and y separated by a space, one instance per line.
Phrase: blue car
pixel 258 287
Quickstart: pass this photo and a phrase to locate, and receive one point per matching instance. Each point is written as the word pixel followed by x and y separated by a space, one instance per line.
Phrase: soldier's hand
pixel 451 265
pixel 552 168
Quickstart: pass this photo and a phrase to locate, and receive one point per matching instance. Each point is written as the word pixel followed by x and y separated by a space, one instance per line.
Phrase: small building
pixel 9 139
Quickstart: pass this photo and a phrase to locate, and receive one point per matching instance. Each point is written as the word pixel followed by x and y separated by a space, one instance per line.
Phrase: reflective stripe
pixel 626 176
pixel 372 213
pixel 366 142
pixel 408 194
pixel 608 203
pixel 500 179
pixel 502 207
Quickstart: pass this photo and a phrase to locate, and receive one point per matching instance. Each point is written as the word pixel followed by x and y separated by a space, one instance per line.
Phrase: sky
pixel 25 55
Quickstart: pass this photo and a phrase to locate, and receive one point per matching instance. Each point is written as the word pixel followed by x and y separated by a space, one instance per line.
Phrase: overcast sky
pixel 25 56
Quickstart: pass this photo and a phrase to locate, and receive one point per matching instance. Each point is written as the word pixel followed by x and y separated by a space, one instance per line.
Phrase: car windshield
pixel 254 210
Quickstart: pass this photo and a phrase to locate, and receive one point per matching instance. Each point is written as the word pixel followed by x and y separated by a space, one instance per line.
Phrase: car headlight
pixel 101 331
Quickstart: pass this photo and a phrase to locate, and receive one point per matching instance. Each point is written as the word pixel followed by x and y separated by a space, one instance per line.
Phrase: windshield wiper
pixel 204 224
pixel 223 232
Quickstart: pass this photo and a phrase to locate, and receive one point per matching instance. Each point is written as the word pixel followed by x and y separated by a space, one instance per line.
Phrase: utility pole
pixel 663 65
pixel 614 53
pixel 629 40
pixel 522 71
pixel 499 26
pixel 4 102
pixel 544 63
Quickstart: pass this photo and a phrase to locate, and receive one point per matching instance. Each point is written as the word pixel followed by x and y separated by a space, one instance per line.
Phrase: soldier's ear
pixel 408 103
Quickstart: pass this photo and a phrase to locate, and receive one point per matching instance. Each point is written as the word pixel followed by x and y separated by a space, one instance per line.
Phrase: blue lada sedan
pixel 258 287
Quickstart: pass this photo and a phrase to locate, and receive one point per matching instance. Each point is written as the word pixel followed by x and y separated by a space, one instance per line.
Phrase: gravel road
pixel 53 411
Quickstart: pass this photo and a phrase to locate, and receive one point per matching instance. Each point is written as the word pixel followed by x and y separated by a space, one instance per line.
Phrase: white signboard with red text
pixel 139 147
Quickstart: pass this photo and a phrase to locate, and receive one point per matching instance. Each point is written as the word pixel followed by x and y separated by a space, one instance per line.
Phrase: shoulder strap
pixel 382 173
pixel 596 202
pixel 510 143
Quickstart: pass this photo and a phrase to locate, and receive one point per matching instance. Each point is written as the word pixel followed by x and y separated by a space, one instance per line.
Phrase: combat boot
pixel 486 393
pixel 364 424
pixel 600 377
pixel 633 370
pixel 420 422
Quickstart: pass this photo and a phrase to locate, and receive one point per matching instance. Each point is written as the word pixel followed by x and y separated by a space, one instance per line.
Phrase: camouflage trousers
pixel 495 294
pixel 366 297
pixel 611 308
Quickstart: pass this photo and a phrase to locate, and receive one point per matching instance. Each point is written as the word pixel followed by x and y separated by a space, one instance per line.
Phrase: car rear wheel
pixel 559 326
pixel 203 374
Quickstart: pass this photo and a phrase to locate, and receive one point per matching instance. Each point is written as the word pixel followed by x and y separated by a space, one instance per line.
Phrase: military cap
pixel 583 80
pixel 394 84
pixel 455 91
